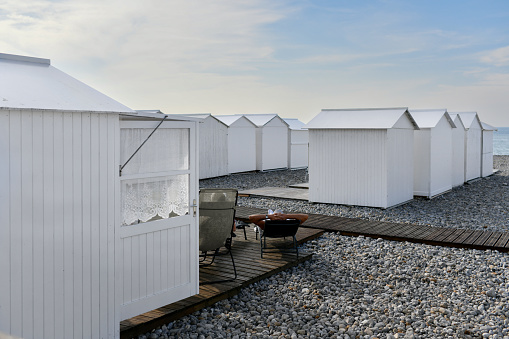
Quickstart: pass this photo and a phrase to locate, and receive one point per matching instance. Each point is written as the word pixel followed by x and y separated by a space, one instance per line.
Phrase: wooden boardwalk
pixel 451 237
pixel 250 268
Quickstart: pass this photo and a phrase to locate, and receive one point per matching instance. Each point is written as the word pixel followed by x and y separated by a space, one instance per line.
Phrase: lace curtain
pixel 154 197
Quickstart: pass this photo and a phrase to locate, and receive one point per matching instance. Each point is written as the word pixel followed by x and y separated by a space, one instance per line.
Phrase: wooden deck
pixel 278 192
pixel 483 240
pixel 250 268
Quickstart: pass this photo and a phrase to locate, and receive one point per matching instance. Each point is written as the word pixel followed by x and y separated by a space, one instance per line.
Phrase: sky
pixel 290 57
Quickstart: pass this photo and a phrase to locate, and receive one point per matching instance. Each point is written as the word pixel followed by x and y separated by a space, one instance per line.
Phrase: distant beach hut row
pixel 385 157
pixel 250 142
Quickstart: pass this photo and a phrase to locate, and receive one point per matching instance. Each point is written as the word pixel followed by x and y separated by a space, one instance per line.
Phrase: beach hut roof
pixel 468 118
pixel 32 83
pixel 429 118
pixel 364 118
pixel 157 114
pixel 457 120
pixel 203 116
pixel 295 124
pixel 228 120
pixel 261 120
pixel 487 127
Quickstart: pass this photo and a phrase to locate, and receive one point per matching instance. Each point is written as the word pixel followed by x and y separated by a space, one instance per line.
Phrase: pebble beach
pixel 356 287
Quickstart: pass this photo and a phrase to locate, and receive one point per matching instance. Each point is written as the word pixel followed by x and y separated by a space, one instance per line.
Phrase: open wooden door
pixel 157 242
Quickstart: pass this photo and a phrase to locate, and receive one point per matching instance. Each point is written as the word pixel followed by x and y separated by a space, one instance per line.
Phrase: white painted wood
pixel 213 146
pixel 432 152
pixel 241 143
pixel 298 144
pixel 38 224
pixel 16 203
pixel 458 152
pixel 68 231
pixel 77 223
pixel 5 231
pixel 27 223
pixel 159 264
pixel 366 167
pixel 473 145
pixel 487 149
pixel 348 167
pixel 271 141
pixel 52 174
pixel 400 163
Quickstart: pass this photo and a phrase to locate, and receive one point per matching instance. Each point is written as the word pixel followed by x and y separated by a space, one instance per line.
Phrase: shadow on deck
pixel 250 268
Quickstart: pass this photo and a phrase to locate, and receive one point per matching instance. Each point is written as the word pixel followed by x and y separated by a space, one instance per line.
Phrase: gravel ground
pixel 483 204
pixel 356 287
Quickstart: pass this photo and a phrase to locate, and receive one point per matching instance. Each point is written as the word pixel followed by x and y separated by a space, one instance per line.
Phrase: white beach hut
pixel 241 143
pixel 213 146
pixel 361 157
pixel 458 151
pixel 473 145
pixel 271 141
pixel 432 152
pixel 79 250
pixel 298 144
pixel 487 149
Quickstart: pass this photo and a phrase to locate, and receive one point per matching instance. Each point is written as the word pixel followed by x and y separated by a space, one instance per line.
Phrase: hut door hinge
pixel 143 143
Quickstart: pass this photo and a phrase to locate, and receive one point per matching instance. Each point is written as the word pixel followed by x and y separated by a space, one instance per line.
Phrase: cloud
pixel 498 57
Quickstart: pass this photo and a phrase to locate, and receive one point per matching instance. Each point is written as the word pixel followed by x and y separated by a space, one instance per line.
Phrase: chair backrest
pixel 217 214
pixel 281 228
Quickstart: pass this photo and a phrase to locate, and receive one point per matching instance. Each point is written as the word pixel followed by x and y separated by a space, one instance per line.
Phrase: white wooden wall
pixel 422 162
pixel 298 148
pixel 441 158
pixel 272 146
pixel 433 159
pixel 158 260
pixel 487 153
pixel 473 149
pixel 348 167
pixel 58 211
pixel 400 162
pixel 241 146
pixel 458 154
pixel 213 148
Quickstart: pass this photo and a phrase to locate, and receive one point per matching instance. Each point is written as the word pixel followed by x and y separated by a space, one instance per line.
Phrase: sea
pixel 501 141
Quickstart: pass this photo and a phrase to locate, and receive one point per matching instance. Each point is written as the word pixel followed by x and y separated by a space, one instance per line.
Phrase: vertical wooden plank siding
pixel 5 231
pixel 27 263
pixel 68 231
pixel 38 221
pixel 348 167
pixel 49 206
pixel 87 222
pixel 241 149
pixel 274 147
pixel 113 221
pixel 487 153
pixel 15 224
pixel 422 162
pixel 400 162
pixel 441 162
pixel 77 223
pixel 213 148
pixel 458 154
pixel 46 236
pixel 473 153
